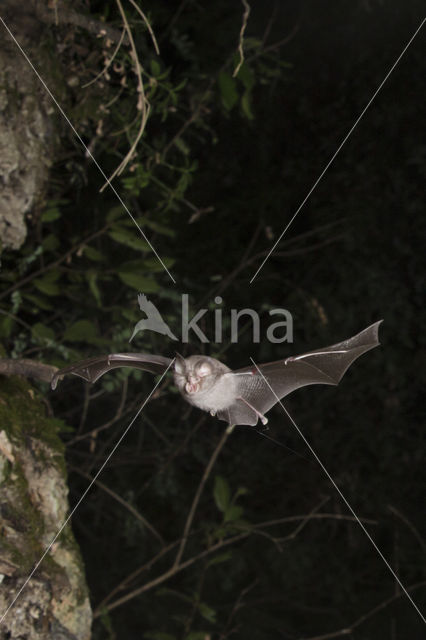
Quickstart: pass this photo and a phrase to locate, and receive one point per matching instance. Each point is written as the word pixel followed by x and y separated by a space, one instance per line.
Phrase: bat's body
pixel 242 396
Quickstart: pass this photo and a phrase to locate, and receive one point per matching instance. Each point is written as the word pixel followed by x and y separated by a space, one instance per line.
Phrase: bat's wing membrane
pixel 93 368
pixel 322 366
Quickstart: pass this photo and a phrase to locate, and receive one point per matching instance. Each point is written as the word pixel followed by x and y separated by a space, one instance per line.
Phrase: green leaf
pixel 246 75
pixel 92 277
pixel 158 228
pixel 115 212
pixel 182 146
pixel 181 85
pixel 50 242
pixel 39 302
pixel 46 286
pixel 154 265
pixel 5 327
pixel 246 105
pixel 40 331
pixel 221 557
pixel 132 240
pixel 198 635
pixel 51 214
pixel 155 68
pixel 232 513
pixel 241 491
pixel 93 254
pixel 228 90
pixel 207 612
pixel 80 331
pixel 140 283
pixel 221 493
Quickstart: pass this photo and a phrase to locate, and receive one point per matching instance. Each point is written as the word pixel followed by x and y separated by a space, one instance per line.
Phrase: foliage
pixel 221 167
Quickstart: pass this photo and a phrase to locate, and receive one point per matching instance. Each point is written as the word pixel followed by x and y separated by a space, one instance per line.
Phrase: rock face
pixel 54 603
pixel 26 126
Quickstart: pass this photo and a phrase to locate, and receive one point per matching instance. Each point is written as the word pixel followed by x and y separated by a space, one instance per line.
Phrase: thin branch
pixel 143 105
pixel 191 119
pixel 241 39
pixel 85 408
pixel 148 26
pixel 346 631
pixel 314 516
pixel 171 572
pixel 269 25
pixel 409 525
pixel 305 520
pixel 276 45
pixel 237 605
pixel 174 19
pixel 184 565
pixel 123 502
pixel 54 264
pixel 128 579
pixel 197 496
pixel 107 64
pixel 119 412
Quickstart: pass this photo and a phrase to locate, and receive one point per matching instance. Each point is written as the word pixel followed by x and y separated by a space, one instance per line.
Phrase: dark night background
pixel 242 154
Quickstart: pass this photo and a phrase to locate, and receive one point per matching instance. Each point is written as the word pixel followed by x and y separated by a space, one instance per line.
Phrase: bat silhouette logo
pixel 153 321
pixel 241 396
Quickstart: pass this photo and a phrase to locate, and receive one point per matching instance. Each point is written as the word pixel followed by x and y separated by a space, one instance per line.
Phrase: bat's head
pixel 197 373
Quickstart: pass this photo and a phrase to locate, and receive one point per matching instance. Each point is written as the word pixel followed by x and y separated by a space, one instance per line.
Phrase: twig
pixel 269 25
pixel 241 39
pixel 124 583
pixel 237 605
pixel 197 496
pixel 174 19
pixel 85 407
pixel 107 64
pixel 409 525
pixel 54 264
pixel 299 527
pixel 314 516
pixel 94 432
pixel 191 119
pixel 184 565
pixel 123 502
pixel 148 26
pixel 143 104
pixel 171 572
pixel 195 600
pixel 176 452
pixel 346 631
pixel 276 45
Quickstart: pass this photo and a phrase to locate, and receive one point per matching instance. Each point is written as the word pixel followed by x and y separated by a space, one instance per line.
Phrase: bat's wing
pixel 93 368
pixel 322 366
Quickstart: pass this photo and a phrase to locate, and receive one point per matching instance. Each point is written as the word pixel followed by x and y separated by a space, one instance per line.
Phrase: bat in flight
pixel 241 396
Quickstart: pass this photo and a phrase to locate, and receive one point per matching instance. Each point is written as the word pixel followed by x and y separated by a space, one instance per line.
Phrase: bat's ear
pixel 179 363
